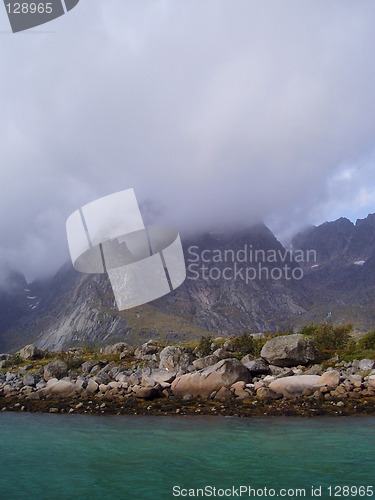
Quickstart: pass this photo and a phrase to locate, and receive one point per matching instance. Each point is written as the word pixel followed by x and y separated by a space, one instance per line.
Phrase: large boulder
pixel 56 369
pixel 28 379
pixel 87 366
pixel 366 365
pixel 209 360
pixel 292 387
pixel 264 393
pixel 147 393
pixel 175 359
pixel 30 352
pixel 109 350
pixel 60 388
pixel 92 386
pixel 289 350
pixel 331 379
pixel 224 394
pixel 371 382
pixel 256 366
pixel 204 382
pixel 146 351
pixel 295 386
pixel 222 353
pixel 152 377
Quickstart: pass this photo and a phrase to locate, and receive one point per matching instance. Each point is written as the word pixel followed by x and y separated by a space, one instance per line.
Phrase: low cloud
pixel 217 113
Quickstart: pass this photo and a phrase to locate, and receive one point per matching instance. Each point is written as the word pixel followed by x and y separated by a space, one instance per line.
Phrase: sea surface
pixel 91 457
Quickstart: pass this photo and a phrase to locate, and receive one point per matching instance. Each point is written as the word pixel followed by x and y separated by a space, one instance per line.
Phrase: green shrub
pixel 309 330
pixel 331 339
pixel 204 346
pixel 245 344
pixel 367 341
pixel 13 361
pixel 350 351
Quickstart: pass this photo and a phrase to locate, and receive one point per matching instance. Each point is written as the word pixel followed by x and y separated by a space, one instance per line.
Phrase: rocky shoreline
pixel 285 380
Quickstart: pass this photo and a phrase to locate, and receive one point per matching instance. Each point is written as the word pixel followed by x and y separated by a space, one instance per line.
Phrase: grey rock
pixel 122 377
pixel 246 359
pixel 209 360
pixel 107 373
pixel 92 386
pixel 366 365
pixel 102 378
pixel 289 350
pixel 276 371
pixel 30 352
pixel 224 394
pixel 268 379
pixel 175 359
pixel 95 369
pixel 114 348
pixel 222 353
pixel 256 366
pixel 314 370
pixel 267 393
pixel 81 382
pixel 134 379
pixel 147 393
pixel 28 380
pixel 61 388
pixel 57 369
pixel 152 377
pixel 87 366
pixel 355 364
pixel 9 376
pixel 146 351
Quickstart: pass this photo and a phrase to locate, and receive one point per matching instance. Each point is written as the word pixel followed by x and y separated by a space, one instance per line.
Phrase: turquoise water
pixel 88 457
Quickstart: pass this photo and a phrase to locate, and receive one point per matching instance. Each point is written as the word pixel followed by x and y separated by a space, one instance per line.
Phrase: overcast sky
pixel 217 112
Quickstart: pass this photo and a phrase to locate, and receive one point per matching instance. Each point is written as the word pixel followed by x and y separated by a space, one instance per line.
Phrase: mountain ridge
pixel 75 309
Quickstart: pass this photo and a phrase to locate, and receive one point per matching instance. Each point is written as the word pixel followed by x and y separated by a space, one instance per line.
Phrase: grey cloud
pixel 215 112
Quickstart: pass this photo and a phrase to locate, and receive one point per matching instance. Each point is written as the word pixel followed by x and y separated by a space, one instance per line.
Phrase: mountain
pixel 341 282
pixel 340 239
pixel 14 299
pixel 236 280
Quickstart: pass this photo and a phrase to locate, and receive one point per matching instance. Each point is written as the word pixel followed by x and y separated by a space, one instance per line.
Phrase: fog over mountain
pixel 217 113
pixel 240 290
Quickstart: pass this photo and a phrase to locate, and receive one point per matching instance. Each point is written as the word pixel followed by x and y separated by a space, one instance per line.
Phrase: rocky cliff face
pixel 340 240
pixel 233 284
